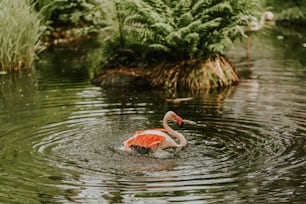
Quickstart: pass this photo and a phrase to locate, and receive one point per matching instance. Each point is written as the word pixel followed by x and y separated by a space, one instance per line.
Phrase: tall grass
pixel 19 34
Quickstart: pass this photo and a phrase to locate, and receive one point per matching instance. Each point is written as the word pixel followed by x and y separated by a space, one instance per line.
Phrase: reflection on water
pixel 60 136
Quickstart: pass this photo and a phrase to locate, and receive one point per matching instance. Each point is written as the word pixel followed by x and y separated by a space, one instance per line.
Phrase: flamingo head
pixel 269 16
pixel 172 116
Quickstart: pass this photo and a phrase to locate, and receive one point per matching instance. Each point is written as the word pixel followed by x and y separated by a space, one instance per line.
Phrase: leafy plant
pixel 182 41
pixel 289 12
pixel 295 16
pixel 20 32
pixel 177 30
pixel 81 16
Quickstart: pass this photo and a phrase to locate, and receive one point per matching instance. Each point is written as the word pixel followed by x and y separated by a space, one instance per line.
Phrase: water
pixel 59 135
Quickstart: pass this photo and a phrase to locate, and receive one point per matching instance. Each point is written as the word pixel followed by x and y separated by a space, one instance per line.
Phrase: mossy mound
pixel 194 75
pixel 188 75
pixel 122 77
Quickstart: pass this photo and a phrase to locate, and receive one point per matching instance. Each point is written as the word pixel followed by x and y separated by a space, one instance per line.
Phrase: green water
pixel 60 135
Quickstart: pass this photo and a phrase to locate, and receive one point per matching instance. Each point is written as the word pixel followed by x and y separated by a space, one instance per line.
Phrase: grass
pixel 192 74
pixel 20 31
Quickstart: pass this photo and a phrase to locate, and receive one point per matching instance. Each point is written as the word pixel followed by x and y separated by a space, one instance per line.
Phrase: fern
pixel 181 29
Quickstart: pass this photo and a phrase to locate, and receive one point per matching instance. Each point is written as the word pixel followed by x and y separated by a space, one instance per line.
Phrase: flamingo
pixel 254 25
pixel 149 141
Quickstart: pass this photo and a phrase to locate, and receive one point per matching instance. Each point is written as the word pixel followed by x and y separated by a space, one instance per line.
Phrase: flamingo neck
pixel 262 21
pixel 179 136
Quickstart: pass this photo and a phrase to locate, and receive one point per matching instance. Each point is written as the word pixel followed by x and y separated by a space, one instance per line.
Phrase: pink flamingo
pixel 254 25
pixel 147 141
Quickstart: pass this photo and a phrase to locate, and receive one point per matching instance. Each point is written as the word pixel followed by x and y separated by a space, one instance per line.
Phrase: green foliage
pixel 289 12
pixel 178 29
pixel 20 31
pixel 294 15
pixel 82 16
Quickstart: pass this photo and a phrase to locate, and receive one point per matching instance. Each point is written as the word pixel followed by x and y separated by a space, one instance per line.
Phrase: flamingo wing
pixel 145 141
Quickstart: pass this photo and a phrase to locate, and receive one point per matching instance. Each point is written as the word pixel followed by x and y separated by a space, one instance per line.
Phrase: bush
pixel 177 30
pixel 182 42
pixel 81 17
pixel 289 12
pixel 19 36
pixel 294 16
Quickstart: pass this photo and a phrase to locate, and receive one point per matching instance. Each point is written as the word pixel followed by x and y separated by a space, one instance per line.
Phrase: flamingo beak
pixel 181 124
pixel 189 122
pixel 179 120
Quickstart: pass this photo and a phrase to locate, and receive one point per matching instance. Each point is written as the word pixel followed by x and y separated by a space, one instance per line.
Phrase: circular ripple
pixel 248 145
pixel 230 151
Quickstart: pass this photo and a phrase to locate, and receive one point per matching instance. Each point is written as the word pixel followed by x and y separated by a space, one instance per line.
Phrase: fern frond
pixel 162 28
pixel 218 8
pixel 159 47
pixel 209 25
pixel 174 38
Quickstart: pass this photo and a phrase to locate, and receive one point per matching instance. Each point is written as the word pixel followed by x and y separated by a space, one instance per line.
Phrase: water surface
pixel 59 135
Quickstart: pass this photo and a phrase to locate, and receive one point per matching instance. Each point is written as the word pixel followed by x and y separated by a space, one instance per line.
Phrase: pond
pixel 60 135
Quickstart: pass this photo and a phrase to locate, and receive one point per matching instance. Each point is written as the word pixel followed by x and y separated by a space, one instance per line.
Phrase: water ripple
pixel 224 152
pixel 60 143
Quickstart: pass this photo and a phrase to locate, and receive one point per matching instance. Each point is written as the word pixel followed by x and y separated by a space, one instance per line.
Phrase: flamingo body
pixel 146 141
